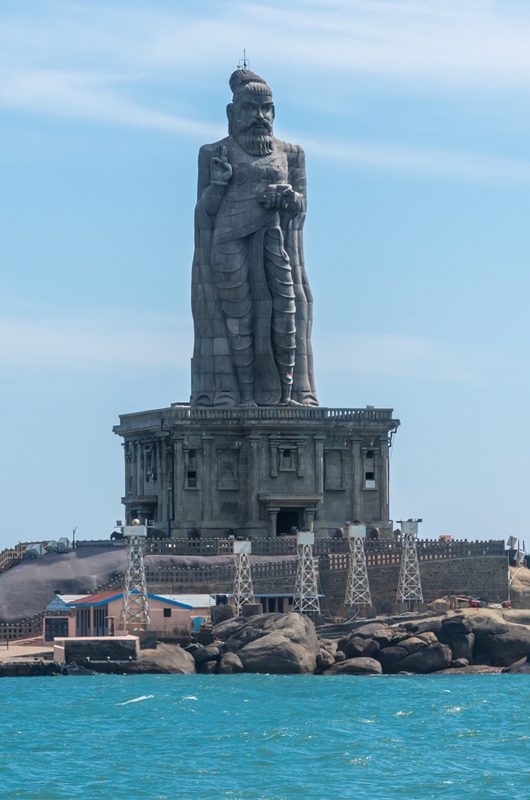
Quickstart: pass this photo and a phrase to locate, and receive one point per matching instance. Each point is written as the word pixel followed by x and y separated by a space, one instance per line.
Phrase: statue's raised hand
pixel 220 167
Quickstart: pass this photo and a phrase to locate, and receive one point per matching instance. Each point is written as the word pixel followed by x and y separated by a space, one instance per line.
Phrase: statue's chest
pixel 261 172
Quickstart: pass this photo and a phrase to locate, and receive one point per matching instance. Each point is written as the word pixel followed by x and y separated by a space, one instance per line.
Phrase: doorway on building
pixel 287 519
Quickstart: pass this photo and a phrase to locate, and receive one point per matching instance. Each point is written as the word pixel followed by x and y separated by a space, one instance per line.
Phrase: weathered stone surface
pixel 296 628
pixel 324 661
pixel 167 658
pixel 247 269
pixel 429 659
pixel 209 653
pixel 374 630
pixel 459 663
pixel 454 626
pixel 503 642
pixel 462 645
pixel 230 663
pixel 275 653
pixel 356 666
pixel 208 667
pixel 357 647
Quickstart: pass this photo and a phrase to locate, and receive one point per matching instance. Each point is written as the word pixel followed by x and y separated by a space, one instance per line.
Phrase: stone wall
pixel 481 576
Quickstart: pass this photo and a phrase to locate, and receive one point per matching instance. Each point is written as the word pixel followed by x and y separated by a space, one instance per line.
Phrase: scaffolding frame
pixel 243 589
pixel 357 586
pixel 409 582
pixel 306 599
pixel 135 609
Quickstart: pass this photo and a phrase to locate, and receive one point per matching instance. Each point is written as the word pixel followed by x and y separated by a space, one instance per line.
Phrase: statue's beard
pixel 255 142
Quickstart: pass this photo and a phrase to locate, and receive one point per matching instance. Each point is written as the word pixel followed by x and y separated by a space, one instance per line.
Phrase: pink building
pixel 172 616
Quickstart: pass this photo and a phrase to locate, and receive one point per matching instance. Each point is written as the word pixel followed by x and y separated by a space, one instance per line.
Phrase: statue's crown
pixel 244 80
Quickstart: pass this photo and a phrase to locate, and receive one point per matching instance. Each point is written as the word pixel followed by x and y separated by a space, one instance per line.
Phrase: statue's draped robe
pixel 231 243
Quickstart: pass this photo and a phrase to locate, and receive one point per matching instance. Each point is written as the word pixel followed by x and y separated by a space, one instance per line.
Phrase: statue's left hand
pixel 282 197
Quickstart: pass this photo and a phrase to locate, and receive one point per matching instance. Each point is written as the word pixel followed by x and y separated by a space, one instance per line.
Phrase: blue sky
pixel 415 118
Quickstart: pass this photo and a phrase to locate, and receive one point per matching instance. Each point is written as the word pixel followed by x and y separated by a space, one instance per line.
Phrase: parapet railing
pixel 217 573
pixel 387 553
pixel 274 412
pixel 377 551
pixel 21 629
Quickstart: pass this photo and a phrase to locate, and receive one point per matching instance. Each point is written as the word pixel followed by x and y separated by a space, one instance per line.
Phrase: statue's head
pixel 251 112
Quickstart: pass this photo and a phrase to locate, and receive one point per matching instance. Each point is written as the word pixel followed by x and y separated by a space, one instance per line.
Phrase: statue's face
pixel 253 112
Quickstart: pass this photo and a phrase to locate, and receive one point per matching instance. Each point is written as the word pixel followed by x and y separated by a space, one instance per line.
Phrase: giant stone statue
pixel 251 302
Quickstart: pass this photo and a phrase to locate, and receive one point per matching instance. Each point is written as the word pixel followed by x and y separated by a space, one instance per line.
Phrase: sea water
pixel 260 737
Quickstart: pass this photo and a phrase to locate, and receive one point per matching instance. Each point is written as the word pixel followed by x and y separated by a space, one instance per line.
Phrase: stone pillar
pixel 310 518
pixel 382 478
pixel 253 476
pixel 273 515
pixel 319 464
pixel 356 479
pixel 179 479
pixel 207 475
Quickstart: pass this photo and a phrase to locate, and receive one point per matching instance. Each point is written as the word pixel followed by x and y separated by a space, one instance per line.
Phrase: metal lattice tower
pixel 358 587
pixel 306 599
pixel 135 610
pixel 409 584
pixel 243 590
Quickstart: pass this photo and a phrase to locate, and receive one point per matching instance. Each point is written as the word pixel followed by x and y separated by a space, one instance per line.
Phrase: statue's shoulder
pixel 293 152
pixel 213 149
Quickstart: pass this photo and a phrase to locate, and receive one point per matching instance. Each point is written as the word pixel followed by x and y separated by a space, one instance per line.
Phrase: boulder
pixel 324 661
pixel 167 658
pixel 275 653
pixel 356 666
pixel 428 659
pixel 459 663
pixel 297 629
pixel 504 642
pixel 209 653
pixel 357 647
pixel 340 656
pixel 454 626
pixel 208 667
pixel 383 634
pixel 230 663
pixel 461 645
pixel 432 625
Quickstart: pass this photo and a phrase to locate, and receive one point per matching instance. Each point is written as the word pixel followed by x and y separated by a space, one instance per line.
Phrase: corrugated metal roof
pixel 102 598
pixel 192 600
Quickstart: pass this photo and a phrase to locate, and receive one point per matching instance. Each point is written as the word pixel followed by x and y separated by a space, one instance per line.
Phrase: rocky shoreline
pixel 469 641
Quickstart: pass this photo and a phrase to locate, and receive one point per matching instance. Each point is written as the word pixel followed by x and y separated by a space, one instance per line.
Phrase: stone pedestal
pixel 257 471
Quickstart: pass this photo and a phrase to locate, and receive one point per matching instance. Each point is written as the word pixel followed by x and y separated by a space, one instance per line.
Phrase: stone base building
pixel 257 472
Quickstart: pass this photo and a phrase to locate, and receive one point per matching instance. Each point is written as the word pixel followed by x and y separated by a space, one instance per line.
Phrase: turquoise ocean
pixel 259 737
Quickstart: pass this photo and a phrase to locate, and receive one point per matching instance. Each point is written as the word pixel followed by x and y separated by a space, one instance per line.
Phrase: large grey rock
pixel 421 654
pixel 429 659
pixel 294 627
pixel 357 647
pixel 356 666
pixel 462 645
pixel 209 653
pixel 230 663
pixel 502 641
pixel 167 658
pixel 454 626
pixel 275 653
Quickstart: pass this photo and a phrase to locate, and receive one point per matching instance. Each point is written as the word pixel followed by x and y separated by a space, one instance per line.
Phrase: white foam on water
pixel 190 697
pixel 137 699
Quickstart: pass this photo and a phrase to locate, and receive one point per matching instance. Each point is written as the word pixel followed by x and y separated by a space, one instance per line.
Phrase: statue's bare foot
pixel 289 402
pixel 248 404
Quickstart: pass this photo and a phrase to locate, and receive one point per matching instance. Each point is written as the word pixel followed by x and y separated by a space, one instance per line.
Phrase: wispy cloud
pixel 98 339
pixel 95 339
pixel 392 355
pixel 47 63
